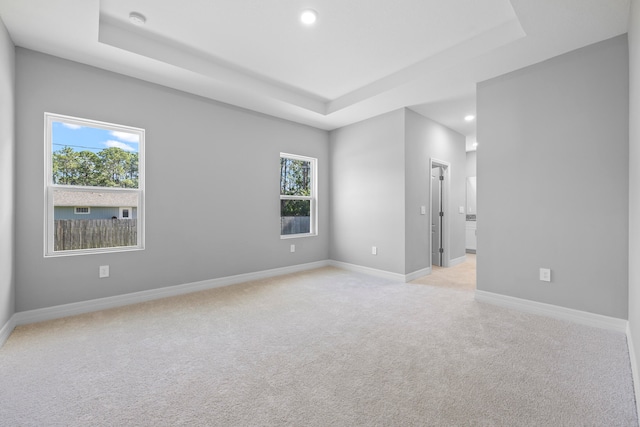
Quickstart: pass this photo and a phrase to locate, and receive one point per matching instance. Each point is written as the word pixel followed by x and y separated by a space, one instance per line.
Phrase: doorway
pixel 438 240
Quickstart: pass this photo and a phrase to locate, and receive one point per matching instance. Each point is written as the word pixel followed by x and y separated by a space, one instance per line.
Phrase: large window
pixel 298 205
pixel 94 186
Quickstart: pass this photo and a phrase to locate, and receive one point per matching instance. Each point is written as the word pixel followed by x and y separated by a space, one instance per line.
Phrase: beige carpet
pixel 320 348
pixel 461 276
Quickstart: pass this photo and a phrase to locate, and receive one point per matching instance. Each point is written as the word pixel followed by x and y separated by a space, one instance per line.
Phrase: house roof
pixel 94 198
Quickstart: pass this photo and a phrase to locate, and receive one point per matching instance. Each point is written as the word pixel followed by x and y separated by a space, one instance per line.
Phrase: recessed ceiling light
pixel 469 117
pixel 309 16
pixel 137 18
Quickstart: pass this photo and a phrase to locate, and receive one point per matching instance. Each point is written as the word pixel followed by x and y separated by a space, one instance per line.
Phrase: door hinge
pixel 441 213
pixel 441 250
pixel 442 178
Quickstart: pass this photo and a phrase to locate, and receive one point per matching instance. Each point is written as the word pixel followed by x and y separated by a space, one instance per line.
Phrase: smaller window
pixel 125 213
pixel 82 210
pixel 298 203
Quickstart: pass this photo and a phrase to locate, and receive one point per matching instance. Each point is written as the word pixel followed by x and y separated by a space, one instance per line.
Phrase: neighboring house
pixel 94 205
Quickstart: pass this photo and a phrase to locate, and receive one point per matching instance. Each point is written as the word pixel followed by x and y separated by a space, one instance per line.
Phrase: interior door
pixel 436 215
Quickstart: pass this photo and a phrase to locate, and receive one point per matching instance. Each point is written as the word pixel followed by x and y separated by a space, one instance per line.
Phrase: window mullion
pixel 288 197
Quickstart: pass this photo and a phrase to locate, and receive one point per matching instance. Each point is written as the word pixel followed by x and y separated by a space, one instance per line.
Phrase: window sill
pixel 92 251
pixel 297 236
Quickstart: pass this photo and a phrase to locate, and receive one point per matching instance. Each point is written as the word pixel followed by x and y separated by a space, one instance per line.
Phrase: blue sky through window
pixel 81 138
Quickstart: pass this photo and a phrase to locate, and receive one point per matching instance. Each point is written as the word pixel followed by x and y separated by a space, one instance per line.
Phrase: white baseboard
pixel 6 330
pixel 417 274
pixel 56 312
pixel 634 367
pixel 549 310
pixel 457 261
pixel 396 277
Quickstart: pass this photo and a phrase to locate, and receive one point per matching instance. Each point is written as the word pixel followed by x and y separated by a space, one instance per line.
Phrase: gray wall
pixel 210 167
pixel 471 163
pixel 367 193
pixel 425 139
pixel 7 176
pixel 634 181
pixel 380 179
pixel 554 171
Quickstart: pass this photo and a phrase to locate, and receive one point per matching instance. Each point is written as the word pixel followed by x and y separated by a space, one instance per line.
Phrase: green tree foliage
pixel 295 180
pixel 295 208
pixel 111 167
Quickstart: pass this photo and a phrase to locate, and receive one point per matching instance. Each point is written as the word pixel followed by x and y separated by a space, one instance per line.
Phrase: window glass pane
pixel 100 227
pixel 92 156
pixel 295 177
pixel 295 216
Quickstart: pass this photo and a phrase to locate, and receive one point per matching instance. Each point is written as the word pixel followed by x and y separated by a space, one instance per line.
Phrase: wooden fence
pixel 294 224
pixel 72 234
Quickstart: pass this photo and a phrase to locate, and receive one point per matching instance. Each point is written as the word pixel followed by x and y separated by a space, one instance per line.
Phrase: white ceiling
pixel 362 57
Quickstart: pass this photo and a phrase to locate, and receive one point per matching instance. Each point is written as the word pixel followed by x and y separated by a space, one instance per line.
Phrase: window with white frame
pixel 125 213
pixel 92 168
pixel 298 196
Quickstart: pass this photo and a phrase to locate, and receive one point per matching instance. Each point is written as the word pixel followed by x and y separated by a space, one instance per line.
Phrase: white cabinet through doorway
pixel 471 236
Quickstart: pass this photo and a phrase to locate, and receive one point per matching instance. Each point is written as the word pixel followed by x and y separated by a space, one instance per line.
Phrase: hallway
pixel 461 276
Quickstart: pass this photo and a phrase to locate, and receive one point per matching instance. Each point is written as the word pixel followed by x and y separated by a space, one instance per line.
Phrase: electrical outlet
pixel 293 248
pixel 545 274
pixel 104 271
pixel 374 250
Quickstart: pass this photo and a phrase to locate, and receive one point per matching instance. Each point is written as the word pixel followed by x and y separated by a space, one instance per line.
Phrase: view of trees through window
pixel 92 156
pixel 296 195
pixel 295 180
pixel 110 167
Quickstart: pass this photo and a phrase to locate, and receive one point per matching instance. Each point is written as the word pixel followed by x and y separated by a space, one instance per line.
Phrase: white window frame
pixel 120 214
pixel 49 186
pixel 76 212
pixel 313 221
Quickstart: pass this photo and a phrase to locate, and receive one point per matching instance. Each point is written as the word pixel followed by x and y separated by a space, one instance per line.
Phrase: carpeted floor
pixel 461 276
pixel 320 348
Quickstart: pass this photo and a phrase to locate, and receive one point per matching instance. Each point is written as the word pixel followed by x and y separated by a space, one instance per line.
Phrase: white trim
pixel 129 211
pixel 634 367
pixel 49 186
pixel 396 277
pixel 313 199
pixel 549 310
pixel 6 330
pixel 457 261
pixel 297 236
pixel 56 312
pixel 417 274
